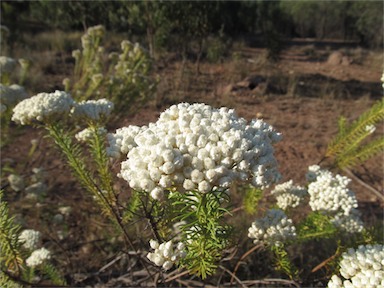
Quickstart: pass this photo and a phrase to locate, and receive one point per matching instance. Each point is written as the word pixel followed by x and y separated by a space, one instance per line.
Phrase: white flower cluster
pixel 93 109
pixel 10 95
pixel 363 267
pixel 30 239
pixel 93 33
pixel 166 254
pixel 86 134
pixel 196 147
pixel 38 257
pixel 313 172
pixel 273 229
pixel 16 182
pixel 7 64
pixel 42 106
pixel 123 140
pixel 329 194
pixel 288 195
pixel 370 128
pixel 351 223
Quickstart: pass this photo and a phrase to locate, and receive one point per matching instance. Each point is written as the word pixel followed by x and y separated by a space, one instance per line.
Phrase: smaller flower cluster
pixel 16 182
pixel 166 254
pixel 93 109
pixel 93 34
pixel 11 95
pixel 34 186
pixel 363 267
pixel 42 107
pixel 351 223
pixel 289 195
pixel 7 64
pixel 273 229
pixel 87 134
pixel 329 194
pixel 30 239
pixel 45 106
pixel 38 257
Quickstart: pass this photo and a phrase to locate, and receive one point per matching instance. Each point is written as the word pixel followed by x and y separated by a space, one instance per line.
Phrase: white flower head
pixel 36 190
pixel 196 147
pixel 329 193
pixel 93 109
pixel 363 267
pixel 370 128
pixel 7 64
pixel 39 174
pixel 38 257
pixel 65 210
pixel 42 107
pixel 16 182
pixel 288 195
pixel 86 134
pixel 10 95
pixel 30 239
pixel 351 223
pixel 273 229
pixel 313 172
pixel 166 254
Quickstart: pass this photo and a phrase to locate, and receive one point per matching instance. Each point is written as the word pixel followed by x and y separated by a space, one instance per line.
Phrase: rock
pixel 256 84
pixel 346 61
pixel 335 58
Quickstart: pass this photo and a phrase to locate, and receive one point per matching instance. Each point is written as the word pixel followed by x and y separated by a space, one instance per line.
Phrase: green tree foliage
pixel 337 19
pixel 368 16
pixel 175 24
pixel 68 15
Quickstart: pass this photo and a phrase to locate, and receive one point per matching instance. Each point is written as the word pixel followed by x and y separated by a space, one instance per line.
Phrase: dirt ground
pixel 306 115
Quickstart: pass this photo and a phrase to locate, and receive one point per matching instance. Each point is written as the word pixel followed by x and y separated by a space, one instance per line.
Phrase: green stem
pixel 80 172
pixel 101 158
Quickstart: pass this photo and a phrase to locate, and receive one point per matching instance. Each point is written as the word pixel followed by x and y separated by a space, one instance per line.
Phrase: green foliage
pixel 74 155
pixel 283 263
pixel 368 19
pixel 12 267
pixel 131 207
pixel 270 21
pixel 99 153
pixel 317 18
pixel 52 273
pixel 205 235
pixel 347 148
pixel 10 257
pixel 251 199
pixel 217 47
pixel 315 226
pixel 124 78
pixel 71 14
pixel 99 186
